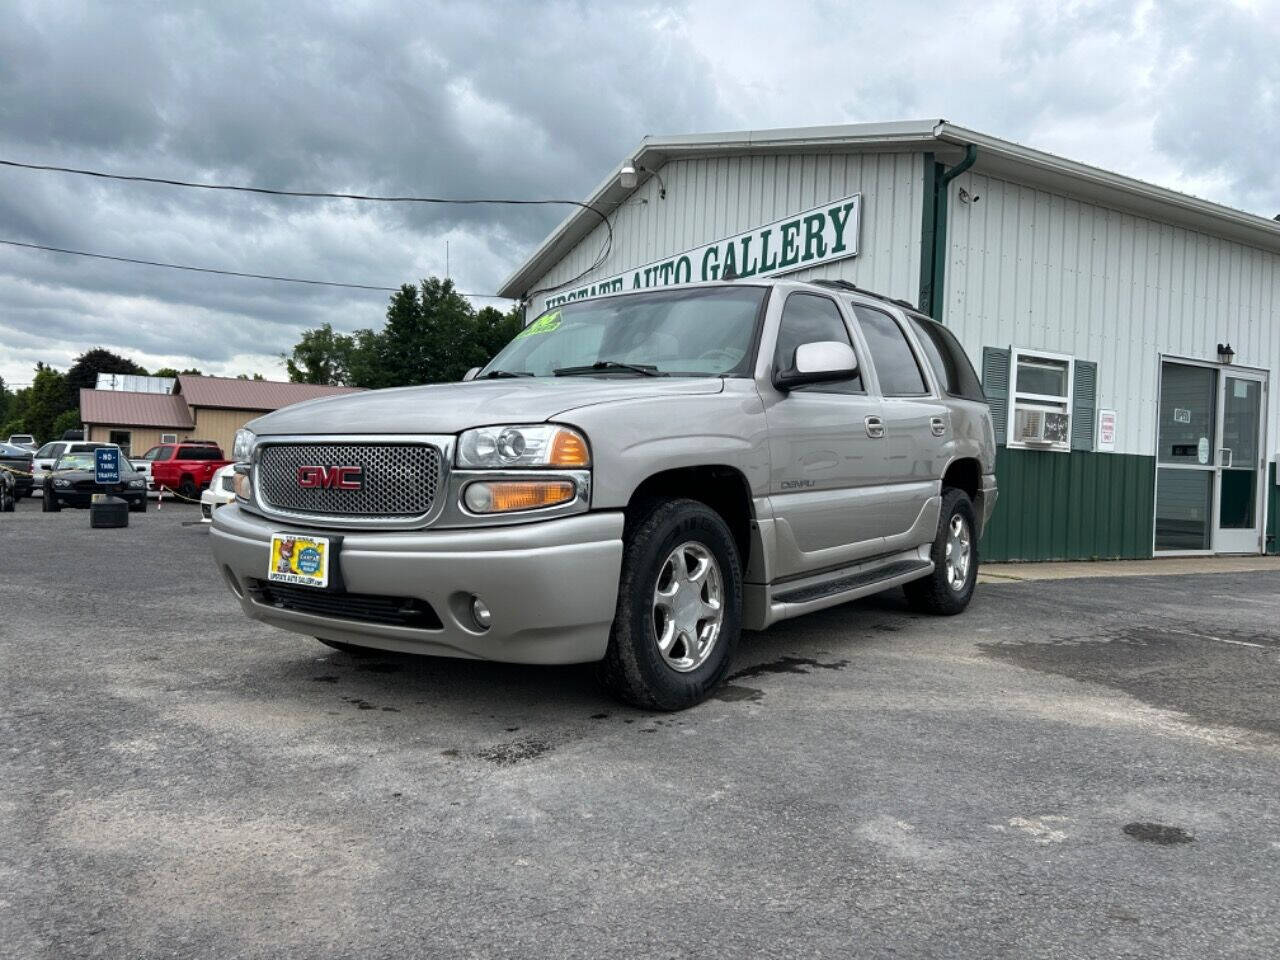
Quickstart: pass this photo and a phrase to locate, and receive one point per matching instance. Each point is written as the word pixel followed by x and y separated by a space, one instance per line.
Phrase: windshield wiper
pixel 504 374
pixel 644 369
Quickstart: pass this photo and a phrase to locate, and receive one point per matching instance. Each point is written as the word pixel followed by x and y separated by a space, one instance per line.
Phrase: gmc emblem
pixel 331 478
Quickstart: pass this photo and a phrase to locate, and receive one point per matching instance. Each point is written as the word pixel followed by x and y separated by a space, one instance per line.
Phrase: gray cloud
pixel 521 99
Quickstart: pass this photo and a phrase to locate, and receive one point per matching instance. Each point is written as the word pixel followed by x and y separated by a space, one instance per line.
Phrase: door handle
pixel 938 426
pixel 875 427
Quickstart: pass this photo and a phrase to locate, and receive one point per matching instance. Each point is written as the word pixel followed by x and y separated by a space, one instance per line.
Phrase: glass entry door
pixel 1209 483
pixel 1240 465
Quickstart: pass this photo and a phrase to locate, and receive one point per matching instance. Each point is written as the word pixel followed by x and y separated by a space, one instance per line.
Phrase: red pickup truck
pixel 185 467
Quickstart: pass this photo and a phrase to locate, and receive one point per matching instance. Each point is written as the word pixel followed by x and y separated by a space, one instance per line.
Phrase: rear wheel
pixel 948 590
pixel 679 609
pixel 187 488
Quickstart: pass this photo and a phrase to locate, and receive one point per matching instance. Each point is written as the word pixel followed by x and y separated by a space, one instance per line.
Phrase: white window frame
pixel 168 438
pixel 1039 401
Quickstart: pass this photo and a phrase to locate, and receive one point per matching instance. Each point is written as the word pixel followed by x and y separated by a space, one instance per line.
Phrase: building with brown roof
pixel 206 408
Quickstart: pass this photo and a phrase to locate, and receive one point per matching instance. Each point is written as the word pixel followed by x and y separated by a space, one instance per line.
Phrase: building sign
pixel 820 235
pixel 1106 429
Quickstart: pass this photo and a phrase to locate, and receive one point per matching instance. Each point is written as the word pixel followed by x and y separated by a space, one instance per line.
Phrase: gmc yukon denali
pixel 632 480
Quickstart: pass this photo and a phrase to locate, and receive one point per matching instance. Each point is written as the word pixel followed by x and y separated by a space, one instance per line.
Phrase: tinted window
pixel 948 359
pixel 895 364
pixel 199 453
pixel 808 319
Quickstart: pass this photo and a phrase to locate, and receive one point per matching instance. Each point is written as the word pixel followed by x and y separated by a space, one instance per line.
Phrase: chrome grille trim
pixel 418 467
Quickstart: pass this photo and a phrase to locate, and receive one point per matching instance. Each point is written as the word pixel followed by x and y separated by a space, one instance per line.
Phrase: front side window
pixel 158 453
pixel 703 332
pixel 808 318
pixel 949 361
pixel 896 366
pixel 1041 400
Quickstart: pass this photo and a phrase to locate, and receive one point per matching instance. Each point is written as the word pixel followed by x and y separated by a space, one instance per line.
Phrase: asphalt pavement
pixel 1074 768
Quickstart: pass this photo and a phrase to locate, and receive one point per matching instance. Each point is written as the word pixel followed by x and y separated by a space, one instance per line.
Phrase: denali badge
pixel 330 478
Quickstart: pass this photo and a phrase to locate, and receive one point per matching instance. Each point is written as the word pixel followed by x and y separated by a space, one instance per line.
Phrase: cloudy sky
pixel 524 99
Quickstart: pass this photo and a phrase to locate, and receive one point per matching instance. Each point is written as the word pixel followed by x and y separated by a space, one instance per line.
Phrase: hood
pixel 453 407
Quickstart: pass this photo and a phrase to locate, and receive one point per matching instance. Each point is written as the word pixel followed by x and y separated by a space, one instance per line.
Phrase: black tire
pixel 187 488
pixel 50 503
pixel 935 593
pixel 8 501
pixel 351 648
pixel 138 506
pixel 634 669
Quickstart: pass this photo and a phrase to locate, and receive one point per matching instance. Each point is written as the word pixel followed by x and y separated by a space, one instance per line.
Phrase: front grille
pixel 399 480
pixel 357 607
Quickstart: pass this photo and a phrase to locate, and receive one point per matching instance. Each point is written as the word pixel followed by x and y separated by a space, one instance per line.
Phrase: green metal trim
pixel 933 232
pixel 1071 506
pixel 928 221
pixel 1272 540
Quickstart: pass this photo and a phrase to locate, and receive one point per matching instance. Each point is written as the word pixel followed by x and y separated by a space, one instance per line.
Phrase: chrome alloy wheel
pixel 688 606
pixel 959 553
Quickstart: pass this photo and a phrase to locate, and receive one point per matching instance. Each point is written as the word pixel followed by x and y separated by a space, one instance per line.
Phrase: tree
pixel 45 399
pixel 67 420
pixel 6 401
pixel 431 335
pixel 84 372
pixel 173 373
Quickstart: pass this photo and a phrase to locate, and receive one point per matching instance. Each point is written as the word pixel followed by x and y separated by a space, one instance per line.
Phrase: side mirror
pixel 823 361
pixel 470 374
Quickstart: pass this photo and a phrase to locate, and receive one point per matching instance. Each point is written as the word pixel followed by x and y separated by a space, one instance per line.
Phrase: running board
pixel 845 584
pixel 763 606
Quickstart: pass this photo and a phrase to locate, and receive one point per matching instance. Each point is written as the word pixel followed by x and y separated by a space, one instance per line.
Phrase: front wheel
pixel 679 610
pixel 50 504
pixel 948 590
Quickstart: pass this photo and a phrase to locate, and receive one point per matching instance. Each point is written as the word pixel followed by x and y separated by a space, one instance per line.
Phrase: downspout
pixel 933 246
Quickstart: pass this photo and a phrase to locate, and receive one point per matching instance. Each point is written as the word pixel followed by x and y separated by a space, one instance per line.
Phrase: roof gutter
pixel 933 233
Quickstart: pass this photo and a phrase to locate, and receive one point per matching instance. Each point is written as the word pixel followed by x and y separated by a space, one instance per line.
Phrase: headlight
pixel 242 448
pixel 541 445
pixel 137 483
pixel 62 483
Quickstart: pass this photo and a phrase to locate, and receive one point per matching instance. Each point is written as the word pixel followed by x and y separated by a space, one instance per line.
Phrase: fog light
pixel 480 613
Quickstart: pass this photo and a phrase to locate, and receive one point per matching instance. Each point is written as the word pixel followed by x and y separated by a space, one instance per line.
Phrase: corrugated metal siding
pixel 713 198
pixel 220 426
pixel 1071 506
pixel 1034 269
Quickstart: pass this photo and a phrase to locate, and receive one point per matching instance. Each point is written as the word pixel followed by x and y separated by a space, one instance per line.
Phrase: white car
pixel 48 455
pixel 22 440
pixel 219 493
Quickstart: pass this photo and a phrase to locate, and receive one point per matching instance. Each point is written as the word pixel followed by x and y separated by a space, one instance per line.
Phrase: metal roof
pixel 235 394
pixel 124 408
pixel 996 157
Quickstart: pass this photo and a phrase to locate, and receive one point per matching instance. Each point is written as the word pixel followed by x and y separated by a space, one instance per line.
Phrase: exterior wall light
pixel 1225 353
pixel 627 176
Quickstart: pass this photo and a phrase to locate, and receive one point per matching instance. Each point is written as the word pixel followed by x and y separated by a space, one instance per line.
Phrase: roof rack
pixel 846 285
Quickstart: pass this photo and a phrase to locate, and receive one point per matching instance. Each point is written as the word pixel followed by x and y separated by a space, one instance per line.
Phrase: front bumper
pixel 82 499
pixel 551 586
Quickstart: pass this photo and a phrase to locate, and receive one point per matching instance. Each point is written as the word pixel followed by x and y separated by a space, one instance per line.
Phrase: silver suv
pixel 632 480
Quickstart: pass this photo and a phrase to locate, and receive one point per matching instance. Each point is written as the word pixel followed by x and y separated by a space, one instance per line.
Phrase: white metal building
pixel 1093 304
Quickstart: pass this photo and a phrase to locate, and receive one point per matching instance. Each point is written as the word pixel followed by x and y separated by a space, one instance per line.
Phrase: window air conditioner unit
pixel 168 438
pixel 1037 426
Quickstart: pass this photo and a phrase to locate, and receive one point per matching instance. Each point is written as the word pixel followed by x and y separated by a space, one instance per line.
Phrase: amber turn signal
pixel 569 449
pixel 506 496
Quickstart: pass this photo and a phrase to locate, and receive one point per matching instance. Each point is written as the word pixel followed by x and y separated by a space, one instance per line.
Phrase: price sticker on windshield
pixel 544 324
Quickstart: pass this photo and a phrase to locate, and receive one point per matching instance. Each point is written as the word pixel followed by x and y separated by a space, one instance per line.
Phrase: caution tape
pixel 161 490
pixel 17 473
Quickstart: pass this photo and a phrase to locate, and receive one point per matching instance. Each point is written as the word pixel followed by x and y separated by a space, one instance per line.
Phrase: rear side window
pixel 948 359
pixel 808 318
pixel 896 365
pixel 199 453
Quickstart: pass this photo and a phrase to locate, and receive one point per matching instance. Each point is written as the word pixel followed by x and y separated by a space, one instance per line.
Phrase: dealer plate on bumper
pixel 300 560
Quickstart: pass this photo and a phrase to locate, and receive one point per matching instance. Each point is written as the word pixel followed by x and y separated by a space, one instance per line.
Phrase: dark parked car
pixel 71 484
pixel 16 461
pixel 7 499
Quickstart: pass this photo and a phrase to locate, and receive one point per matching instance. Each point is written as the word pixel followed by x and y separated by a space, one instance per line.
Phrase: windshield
pixel 701 332
pixel 74 461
